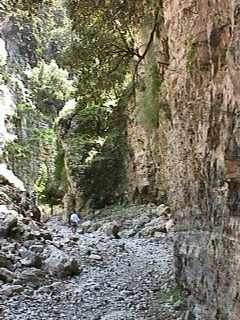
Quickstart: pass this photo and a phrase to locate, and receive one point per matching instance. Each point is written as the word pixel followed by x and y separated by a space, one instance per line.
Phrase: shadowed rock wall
pixel 198 148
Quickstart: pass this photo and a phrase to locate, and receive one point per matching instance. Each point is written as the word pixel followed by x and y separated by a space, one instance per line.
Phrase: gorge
pixel 129 107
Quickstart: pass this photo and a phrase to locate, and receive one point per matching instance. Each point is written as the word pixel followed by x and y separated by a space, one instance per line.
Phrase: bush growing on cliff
pixel 150 104
pixel 53 32
pixel 191 55
pixel 51 87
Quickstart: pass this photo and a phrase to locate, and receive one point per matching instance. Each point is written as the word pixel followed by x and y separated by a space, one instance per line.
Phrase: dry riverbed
pixel 119 265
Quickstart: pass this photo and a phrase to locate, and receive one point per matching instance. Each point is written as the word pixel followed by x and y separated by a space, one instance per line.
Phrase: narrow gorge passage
pixel 127 278
pixel 117 110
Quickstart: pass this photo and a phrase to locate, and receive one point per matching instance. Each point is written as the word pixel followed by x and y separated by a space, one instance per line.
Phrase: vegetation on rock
pixel 80 76
pixel 50 87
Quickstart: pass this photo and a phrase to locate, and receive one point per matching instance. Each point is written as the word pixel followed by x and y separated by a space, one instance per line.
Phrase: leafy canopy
pixel 102 44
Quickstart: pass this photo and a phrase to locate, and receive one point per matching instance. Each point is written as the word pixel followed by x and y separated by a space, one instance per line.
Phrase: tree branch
pixel 149 42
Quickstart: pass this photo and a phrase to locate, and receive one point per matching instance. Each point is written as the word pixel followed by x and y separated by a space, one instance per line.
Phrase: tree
pixel 50 86
pixel 102 44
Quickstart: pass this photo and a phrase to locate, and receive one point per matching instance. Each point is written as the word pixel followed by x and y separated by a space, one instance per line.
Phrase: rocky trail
pixel 119 265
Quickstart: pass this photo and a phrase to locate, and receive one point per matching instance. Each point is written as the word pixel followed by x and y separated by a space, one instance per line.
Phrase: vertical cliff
pixel 39 87
pixel 196 139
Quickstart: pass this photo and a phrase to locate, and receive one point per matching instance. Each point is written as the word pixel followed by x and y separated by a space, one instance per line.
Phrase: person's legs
pixel 73 227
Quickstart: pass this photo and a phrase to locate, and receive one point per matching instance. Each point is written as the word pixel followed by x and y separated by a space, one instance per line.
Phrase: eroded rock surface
pixel 191 150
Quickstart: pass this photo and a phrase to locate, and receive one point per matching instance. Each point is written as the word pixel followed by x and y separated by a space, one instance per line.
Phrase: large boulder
pixel 5 261
pixel 158 225
pixel 9 290
pixel 31 277
pixel 6 275
pixel 58 263
pixel 111 229
pixel 8 221
pixel 8 177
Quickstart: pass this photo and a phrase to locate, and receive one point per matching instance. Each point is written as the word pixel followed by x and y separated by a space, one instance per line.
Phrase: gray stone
pixel 162 210
pixel 111 229
pixel 5 261
pixel 32 277
pixel 95 257
pixel 59 263
pixel 10 290
pixel 8 221
pixel 6 275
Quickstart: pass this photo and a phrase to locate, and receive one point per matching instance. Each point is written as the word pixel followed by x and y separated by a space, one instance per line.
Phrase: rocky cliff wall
pixel 197 141
pixel 16 31
pixel 39 88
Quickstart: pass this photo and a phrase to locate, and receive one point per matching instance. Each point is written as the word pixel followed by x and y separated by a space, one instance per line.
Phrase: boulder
pixel 8 177
pixel 10 290
pixel 6 275
pixel 162 210
pixel 170 224
pixel 8 221
pixel 95 257
pixel 32 277
pixel 5 261
pixel 58 263
pixel 34 261
pixel 71 268
pixel 86 226
pixel 157 226
pixel 111 229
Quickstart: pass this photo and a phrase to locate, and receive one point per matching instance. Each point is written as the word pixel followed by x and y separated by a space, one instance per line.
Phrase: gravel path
pixel 120 279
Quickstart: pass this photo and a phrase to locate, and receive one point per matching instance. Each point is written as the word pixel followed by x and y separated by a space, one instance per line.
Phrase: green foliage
pixel 34 145
pixel 100 159
pixel 13 7
pixel 39 145
pixel 51 87
pixel 40 185
pixel 53 32
pixel 191 55
pixel 148 12
pixel 149 104
pixel 35 139
pixel 59 169
pixel 48 190
pixel 18 150
pixel 173 296
pixel 102 44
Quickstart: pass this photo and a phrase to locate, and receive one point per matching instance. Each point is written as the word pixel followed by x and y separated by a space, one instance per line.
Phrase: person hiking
pixel 74 220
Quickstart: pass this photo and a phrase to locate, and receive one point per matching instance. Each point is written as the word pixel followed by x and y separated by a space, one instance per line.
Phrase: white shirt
pixel 74 218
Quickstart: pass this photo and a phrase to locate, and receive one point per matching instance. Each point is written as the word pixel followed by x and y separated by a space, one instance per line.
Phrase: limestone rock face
pixel 193 150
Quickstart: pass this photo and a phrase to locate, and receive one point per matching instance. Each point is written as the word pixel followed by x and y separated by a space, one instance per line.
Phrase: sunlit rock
pixel 7 108
pixel 7 175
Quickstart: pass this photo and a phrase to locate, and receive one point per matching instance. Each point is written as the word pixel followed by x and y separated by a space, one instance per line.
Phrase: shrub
pixel 51 87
